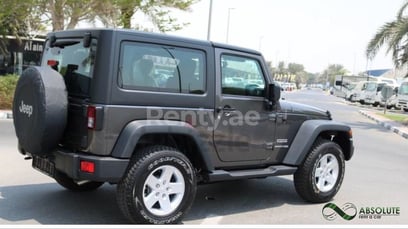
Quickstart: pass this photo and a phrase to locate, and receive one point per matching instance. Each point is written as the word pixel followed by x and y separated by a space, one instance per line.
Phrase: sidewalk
pixel 396 127
pixel 6 114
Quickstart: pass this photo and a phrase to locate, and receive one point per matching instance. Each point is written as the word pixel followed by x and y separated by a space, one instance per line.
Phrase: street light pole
pixel 209 21
pixel 260 43
pixel 228 22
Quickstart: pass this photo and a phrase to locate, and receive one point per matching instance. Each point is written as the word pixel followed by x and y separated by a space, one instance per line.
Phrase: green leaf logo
pixel 348 211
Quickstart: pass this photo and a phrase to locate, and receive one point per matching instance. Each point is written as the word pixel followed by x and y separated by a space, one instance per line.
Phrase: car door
pixel 244 129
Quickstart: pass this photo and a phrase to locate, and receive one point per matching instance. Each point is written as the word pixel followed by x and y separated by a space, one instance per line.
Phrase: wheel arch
pixel 313 129
pixel 176 134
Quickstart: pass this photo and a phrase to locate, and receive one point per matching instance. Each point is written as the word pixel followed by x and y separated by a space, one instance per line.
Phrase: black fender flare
pixel 130 135
pixel 306 136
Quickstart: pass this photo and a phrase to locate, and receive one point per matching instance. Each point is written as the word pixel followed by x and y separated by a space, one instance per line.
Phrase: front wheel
pixel 159 186
pixel 319 177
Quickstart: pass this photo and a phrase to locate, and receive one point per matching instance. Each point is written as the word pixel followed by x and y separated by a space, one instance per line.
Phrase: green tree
pixel 281 67
pixel 311 78
pixel 295 68
pixel 66 14
pixel 17 18
pixel 299 71
pixel 394 35
pixel 157 10
pixel 330 73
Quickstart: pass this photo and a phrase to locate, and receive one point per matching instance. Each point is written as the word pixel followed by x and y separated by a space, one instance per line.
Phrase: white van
pixel 356 93
pixel 403 95
pixel 373 95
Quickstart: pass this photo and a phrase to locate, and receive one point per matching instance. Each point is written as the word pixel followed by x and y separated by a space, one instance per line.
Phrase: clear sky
pixel 314 33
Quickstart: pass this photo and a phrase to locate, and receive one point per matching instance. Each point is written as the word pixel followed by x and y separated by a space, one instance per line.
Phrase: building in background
pixel 21 54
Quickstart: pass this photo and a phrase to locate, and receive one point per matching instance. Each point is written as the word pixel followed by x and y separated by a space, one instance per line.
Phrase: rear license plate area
pixel 44 165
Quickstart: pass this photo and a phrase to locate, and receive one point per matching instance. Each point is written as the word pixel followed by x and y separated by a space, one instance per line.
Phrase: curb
pixel 388 125
pixel 6 115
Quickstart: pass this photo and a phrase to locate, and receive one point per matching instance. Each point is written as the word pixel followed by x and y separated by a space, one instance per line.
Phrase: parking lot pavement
pixel 6 114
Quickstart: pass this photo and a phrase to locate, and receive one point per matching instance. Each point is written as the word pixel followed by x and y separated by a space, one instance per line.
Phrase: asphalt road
pixel 375 177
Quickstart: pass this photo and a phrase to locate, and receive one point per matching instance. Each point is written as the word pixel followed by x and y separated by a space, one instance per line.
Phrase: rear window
pixel 371 87
pixel 74 62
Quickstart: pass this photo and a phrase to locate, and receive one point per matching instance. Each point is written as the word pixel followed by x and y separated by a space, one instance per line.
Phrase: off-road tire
pixel 71 185
pixel 131 190
pixel 305 180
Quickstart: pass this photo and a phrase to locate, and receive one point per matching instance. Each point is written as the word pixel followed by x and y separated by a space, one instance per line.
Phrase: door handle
pixel 227 110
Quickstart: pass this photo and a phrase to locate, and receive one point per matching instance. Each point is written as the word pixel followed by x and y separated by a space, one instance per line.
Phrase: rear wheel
pixel 319 177
pixel 159 186
pixel 75 186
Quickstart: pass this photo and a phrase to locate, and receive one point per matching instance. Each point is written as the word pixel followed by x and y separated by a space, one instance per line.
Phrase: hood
pixel 302 109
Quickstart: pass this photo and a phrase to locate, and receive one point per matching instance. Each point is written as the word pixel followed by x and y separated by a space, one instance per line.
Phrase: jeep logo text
pixel 26 109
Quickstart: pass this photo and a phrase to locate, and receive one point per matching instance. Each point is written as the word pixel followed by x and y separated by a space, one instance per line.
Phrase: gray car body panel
pixel 306 136
pixel 133 131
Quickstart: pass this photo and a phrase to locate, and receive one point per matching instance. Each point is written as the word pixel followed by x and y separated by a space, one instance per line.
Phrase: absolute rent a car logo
pixel 349 211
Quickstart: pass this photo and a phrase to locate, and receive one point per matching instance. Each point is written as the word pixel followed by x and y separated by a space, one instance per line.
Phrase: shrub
pixel 7 86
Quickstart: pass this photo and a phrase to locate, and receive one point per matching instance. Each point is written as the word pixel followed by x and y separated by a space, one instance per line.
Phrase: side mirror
pixel 273 94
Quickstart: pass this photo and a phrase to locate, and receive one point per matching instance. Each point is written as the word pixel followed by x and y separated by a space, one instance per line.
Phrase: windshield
pixel 74 62
pixel 371 87
pixel 403 89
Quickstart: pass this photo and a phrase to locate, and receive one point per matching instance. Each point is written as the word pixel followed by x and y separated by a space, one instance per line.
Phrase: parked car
pixel 101 117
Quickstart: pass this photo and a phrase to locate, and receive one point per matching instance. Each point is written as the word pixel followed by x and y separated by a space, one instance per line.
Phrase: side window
pixel 157 68
pixel 241 76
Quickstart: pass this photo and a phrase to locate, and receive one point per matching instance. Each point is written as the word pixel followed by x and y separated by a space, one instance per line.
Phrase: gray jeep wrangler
pixel 157 115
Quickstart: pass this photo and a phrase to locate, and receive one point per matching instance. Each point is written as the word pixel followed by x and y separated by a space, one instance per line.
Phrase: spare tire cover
pixel 40 109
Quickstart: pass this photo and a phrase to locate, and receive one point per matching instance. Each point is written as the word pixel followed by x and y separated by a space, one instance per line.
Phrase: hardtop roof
pixel 97 31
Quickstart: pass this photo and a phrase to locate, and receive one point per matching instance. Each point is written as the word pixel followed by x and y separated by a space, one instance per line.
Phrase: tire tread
pixel 303 180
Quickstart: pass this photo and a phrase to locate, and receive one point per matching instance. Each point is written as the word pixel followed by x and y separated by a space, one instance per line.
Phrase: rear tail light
pixel 91 115
pixel 87 166
pixel 52 63
pixel 350 133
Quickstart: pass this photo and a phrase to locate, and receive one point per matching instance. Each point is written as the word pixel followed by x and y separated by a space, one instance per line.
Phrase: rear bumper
pixel 107 169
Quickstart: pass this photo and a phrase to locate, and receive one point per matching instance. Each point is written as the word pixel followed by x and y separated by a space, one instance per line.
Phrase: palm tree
pixel 394 35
